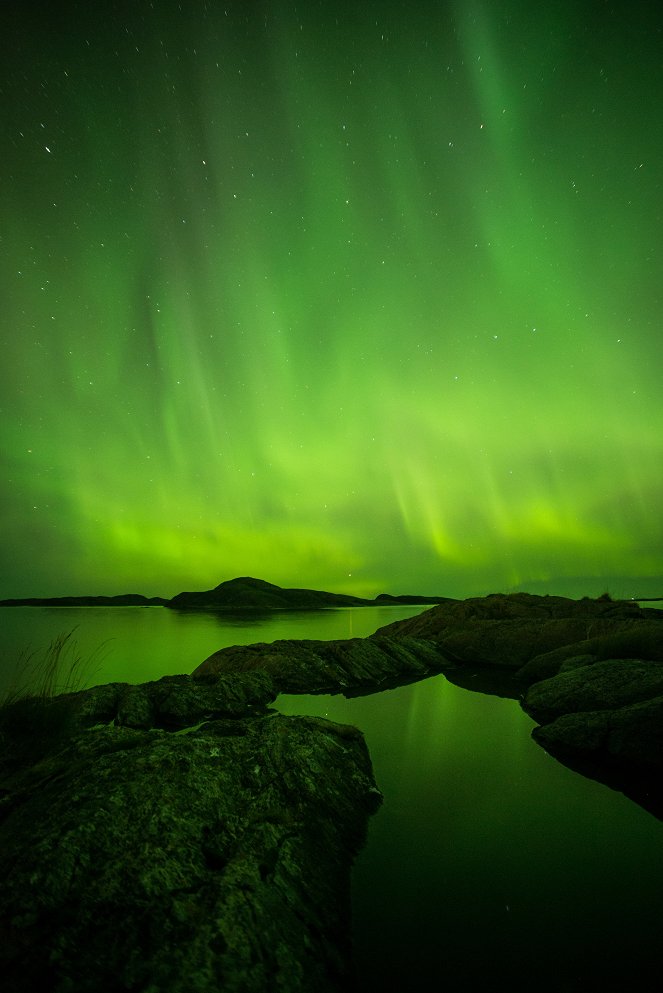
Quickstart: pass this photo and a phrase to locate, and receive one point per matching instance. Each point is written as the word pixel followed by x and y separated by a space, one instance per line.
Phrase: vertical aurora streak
pixel 353 297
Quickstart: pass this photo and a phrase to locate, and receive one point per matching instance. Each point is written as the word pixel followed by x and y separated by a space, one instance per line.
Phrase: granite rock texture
pixel 511 630
pixel 217 859
pixel 352 666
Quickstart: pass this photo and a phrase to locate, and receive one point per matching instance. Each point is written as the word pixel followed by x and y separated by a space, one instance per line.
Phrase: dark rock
pixel 592 667
pixel 233 594
pixel 601 705
pixel 632 734
pixel 180 701
pixel 602 654
pixel 349 666
pixel 620 749
pixel 218 857
pixel 577 662
pixel 635 637
pixel 247 592
pixel 606 685
pixel 512 629
pixel 33 727
pixel 185 863
pixel 548 664
pixel 173 701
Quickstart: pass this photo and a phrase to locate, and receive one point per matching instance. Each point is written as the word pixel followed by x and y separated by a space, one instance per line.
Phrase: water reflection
pixel 488 857
pixel 143 643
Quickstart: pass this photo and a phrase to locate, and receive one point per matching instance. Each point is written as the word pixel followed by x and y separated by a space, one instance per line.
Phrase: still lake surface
pixel 489 866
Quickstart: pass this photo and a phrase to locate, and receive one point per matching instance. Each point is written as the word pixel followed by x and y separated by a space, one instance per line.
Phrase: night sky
pixel 352 296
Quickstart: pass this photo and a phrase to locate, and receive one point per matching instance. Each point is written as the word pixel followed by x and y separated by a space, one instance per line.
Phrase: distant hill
pixel 249 592
pixel 231 595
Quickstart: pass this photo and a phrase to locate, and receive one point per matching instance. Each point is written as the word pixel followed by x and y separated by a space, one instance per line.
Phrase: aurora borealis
pixel 357 297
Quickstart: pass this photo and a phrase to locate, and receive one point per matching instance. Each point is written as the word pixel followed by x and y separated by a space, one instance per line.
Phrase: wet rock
pixel 620 748
pixel 347 666
pixel 172 701
pixel 635 637
pixel 592 671
pixel 632 734
pixel 606 685
pixel 217 859
pixel 512 629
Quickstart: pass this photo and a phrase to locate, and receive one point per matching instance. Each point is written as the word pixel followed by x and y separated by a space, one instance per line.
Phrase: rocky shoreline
pixel 589 672
pixel 181 836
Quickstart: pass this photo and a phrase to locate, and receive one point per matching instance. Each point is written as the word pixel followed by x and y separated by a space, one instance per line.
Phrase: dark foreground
pixel 179 836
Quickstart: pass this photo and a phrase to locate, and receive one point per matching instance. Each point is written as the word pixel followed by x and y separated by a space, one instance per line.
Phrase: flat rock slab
pixel 348 666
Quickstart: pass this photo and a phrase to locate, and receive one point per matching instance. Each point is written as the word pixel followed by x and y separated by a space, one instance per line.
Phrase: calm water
pixel 490 866
pixel 135 644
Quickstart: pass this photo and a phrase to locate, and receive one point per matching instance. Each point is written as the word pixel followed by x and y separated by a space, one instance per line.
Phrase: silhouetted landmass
pixel 248 592
pixel 122 600
pixel 387 599
pixel 233 594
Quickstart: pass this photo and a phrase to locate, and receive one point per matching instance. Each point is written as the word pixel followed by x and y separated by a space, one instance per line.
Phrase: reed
pixel 37 711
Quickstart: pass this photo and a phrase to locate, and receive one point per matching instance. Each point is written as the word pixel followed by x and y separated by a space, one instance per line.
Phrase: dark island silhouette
pixel 233 594
pixel 122 600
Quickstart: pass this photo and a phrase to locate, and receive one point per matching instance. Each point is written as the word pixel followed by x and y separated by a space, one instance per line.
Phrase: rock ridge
pixel 585 664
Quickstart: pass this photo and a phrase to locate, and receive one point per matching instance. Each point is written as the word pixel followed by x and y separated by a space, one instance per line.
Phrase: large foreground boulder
pixel 212 860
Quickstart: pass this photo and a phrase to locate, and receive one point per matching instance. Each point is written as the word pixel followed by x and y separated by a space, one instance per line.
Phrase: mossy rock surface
pixel 185 863
pixel 606 685
pixel 350 666
pixel 511 630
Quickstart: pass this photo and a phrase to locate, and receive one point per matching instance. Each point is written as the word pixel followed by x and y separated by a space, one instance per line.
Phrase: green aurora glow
pixel 358 297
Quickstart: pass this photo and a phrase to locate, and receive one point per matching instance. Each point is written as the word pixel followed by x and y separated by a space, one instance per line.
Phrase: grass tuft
pixel 36 713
